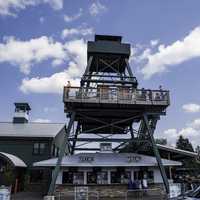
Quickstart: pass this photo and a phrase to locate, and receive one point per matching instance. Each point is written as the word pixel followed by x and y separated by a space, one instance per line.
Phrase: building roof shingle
pixel 31 129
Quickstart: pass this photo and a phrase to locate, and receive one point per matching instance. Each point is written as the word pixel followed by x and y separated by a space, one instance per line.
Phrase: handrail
pixel 116 94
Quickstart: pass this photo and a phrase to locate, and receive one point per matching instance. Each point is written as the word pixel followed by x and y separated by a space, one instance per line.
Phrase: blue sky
pixel 43 44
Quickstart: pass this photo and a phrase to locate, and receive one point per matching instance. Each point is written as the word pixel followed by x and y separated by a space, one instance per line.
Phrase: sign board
pixel 174 189
pixel 81 193
pixel 86 159
pixel 134 158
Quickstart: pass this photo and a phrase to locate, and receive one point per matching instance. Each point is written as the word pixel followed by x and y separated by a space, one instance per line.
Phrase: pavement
pixel 27 196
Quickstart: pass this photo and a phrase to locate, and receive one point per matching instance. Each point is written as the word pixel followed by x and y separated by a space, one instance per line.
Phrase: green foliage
pixel 26 180
pixel 9 177
pixel 162 141
pixel 184 144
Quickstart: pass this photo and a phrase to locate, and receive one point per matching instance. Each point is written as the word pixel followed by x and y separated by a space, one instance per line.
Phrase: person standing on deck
pixel 68 86
pixel 161 92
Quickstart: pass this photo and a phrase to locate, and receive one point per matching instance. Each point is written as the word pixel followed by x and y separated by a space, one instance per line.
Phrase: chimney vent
pixel 21 113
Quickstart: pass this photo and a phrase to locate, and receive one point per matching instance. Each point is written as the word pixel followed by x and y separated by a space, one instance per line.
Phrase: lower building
pixel 107 172
pixel 21 144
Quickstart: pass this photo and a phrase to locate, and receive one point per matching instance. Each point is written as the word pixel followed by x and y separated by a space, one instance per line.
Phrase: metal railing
pixel 116 95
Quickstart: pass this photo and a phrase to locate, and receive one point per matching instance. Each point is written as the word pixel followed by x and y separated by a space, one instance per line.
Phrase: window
pixel 38 148
pixel 78 178
pixel 115 177
pixel 91 177
pixel 106 147
pixel 67 177
pixel 150 176
pixel 55 151
pixel 125 177
pixel 41 148
pixel 102 178
pixel 139 175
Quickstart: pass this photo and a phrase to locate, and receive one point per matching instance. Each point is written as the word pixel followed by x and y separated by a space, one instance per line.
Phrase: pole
pixel 157 154
pixel 63 149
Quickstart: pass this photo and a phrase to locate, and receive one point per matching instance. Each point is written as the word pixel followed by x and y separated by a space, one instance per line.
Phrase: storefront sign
pixel 134 158
pixel 86 159
pixel 174 190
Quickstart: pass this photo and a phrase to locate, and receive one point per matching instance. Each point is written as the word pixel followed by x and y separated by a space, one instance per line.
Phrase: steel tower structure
pixel 108 104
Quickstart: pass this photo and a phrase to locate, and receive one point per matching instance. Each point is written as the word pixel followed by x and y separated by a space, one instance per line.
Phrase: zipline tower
pixel 108 104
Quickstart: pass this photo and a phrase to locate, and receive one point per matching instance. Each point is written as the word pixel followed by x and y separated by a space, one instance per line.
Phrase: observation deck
pixel 77 97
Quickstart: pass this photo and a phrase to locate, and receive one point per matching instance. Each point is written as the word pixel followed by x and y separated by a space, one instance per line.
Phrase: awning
pixel 106 160
pixel 14 160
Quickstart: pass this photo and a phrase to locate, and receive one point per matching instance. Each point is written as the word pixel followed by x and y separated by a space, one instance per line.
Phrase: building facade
pixel 29 142
pixel 107 173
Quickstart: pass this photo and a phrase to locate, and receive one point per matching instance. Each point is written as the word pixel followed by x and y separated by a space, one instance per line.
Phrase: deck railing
pixel 121 95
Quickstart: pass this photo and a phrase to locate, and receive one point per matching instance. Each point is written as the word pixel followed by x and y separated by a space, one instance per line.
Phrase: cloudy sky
pixel 43 44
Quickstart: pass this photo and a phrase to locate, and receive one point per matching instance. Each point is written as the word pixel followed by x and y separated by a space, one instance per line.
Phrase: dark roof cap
pixel 22 105
pixel 108 38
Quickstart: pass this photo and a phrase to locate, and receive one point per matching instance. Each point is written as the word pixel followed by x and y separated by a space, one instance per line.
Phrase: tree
pixel 162 141
pixel 184 144
pixel 188 162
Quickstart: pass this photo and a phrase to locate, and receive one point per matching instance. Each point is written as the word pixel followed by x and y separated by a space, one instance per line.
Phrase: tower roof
pixel 22 105
pixel 112 38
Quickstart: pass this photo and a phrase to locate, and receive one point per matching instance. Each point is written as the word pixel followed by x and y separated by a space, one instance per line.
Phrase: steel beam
pixel 102 122
pixel 64 149
pixel 99 139
pixel 110 81
pixel 110 76
pixel 87 70
pixel 157 154
pixel 111 124
pixel 75 137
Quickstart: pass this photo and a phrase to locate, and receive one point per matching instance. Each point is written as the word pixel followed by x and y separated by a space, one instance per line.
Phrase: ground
pixel 27 196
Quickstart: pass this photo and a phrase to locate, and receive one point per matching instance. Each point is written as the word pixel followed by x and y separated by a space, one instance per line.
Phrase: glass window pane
pixel 125 177
pixel 36 148
pixel 91 177
pixel 42 148
pixel 102 178
pixel 115 177
pixel 67 177
pixel 78 178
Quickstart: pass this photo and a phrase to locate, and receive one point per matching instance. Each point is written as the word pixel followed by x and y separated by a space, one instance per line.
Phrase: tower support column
pixel 157 154
pixel 64 149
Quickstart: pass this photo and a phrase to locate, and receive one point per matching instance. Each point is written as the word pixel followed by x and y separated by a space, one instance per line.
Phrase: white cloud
pixel 11 7
pixel 55 4
pixel 77 52
pixel 191 131
pixel 191 108
pixel 174 54
pixel 97 8
pixel 76 32
pixel 57 62
pixel 154 42
pixel 69 18
pixel 40 120
pixel 52 84
pixel 195 124
pixel 25 53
